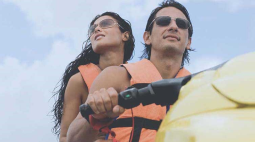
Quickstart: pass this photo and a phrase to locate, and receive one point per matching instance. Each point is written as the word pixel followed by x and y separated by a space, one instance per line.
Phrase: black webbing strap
pixel 139 124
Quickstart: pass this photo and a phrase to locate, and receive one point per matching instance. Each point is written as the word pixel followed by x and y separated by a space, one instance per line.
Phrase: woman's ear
pixel 125 36
pixel 146 38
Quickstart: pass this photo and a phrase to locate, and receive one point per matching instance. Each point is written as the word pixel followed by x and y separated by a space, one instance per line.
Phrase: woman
pixel 110 43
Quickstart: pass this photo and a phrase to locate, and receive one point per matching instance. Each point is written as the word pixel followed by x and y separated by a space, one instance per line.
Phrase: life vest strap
pixel 139 124
pixel 144 123
pixel 101 126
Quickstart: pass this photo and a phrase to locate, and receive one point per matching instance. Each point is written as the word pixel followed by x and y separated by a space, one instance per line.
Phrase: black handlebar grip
pixel 127 99
pixel 86 110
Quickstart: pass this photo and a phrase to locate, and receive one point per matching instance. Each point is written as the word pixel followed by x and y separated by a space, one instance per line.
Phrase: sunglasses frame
pixel 170 21
pixel 95 25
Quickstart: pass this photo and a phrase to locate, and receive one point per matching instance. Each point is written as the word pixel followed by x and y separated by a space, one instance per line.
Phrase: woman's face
pixel 103 39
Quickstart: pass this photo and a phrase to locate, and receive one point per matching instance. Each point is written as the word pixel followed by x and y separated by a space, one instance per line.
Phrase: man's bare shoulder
pixel 113 76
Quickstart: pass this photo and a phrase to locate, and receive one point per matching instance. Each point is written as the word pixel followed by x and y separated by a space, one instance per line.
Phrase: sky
pixel 39 38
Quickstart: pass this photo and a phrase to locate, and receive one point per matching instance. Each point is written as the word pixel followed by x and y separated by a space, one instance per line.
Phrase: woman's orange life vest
pixel 89 72
pixel 147 118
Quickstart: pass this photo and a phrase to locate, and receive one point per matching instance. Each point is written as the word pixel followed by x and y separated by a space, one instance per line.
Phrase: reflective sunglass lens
pixel 106 23
pixel 181 23
pixel 163 21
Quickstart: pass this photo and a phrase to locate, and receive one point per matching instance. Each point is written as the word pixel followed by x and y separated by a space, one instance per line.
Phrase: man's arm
pixel 114 76
pixel 101 100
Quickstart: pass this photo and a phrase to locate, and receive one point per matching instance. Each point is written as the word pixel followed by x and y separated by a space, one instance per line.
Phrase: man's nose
pixel 172 26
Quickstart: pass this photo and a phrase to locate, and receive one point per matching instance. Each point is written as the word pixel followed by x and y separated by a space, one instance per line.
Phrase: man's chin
pixel 173 49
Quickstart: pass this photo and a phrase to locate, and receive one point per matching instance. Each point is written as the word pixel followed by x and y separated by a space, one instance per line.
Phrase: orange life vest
pixel 89 72
pixel 147 118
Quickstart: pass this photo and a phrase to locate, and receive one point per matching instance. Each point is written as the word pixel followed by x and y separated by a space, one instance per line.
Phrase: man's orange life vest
pixel 147 118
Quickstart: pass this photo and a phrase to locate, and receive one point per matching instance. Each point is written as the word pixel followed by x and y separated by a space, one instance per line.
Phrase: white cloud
pixel 25 92
pixel 204 62
pixel 232 5
pixel 71 18
pixel 252 31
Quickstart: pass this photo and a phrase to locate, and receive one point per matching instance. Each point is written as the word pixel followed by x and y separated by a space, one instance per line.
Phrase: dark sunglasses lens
pixel 182 23
pixel 106 23
pixel 163 21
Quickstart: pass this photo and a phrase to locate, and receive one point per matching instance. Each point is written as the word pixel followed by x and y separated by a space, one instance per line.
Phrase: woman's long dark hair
pixel 85 57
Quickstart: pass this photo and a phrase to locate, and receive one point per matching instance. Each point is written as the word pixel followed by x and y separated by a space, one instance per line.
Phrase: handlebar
pixel 163 92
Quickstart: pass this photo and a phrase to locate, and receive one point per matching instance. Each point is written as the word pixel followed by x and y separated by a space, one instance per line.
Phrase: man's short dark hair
pixel 164 4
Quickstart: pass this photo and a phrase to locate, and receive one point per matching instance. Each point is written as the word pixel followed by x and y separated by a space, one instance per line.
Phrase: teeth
pixel 99 36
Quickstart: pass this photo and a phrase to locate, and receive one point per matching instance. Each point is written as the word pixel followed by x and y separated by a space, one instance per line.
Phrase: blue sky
pixel 39 38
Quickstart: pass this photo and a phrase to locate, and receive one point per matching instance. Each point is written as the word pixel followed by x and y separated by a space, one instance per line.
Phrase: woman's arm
pixel 75 94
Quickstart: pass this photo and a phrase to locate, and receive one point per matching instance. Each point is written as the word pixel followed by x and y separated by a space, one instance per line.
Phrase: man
pixel 167 40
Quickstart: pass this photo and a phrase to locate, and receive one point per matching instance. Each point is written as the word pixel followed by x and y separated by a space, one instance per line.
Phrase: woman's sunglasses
pixel 106 23
pixel 166 20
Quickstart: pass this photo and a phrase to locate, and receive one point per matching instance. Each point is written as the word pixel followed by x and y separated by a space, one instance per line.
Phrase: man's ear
pixel 189 43
pixel 125 36
pixel 146 38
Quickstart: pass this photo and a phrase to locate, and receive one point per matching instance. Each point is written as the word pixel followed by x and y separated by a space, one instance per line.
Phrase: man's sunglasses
pixel 106 23
pixel 166 20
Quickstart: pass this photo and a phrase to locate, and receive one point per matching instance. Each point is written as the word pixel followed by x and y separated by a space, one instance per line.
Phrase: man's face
pixel 170 37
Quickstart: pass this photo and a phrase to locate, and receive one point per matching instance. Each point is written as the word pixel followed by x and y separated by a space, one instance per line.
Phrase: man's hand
pixel 105 103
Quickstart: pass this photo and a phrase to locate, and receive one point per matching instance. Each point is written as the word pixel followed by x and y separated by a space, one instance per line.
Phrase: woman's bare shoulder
pixel 77 87
pixel 77 79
